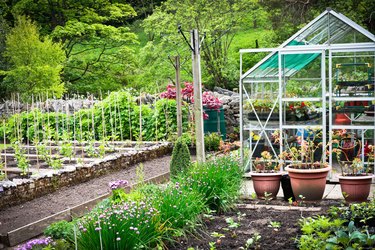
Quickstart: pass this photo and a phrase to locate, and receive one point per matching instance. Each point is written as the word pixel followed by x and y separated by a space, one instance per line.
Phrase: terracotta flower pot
pixel 266 182
pixel 356 188
pixel 310 183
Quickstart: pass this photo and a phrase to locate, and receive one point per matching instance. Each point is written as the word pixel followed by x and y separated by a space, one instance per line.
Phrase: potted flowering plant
pixel 301 111
pixel 307 174
pixel 266 176
pixel 355 179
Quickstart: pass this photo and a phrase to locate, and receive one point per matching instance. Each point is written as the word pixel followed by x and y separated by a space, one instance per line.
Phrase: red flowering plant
pixel 300 109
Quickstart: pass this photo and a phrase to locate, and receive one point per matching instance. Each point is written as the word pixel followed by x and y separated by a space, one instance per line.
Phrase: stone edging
pixel 35 187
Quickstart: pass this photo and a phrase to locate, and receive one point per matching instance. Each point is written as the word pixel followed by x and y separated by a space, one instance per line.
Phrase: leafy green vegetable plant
pixel 21 158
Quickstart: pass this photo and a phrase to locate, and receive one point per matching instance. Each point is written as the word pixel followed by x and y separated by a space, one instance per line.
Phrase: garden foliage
pixel 341 229
pixel 180 161
pixel 218 180
pixel 212 141
pixel 155 215
pixel 117 117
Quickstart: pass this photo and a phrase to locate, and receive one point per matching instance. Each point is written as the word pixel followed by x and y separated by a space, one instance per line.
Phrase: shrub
pixel 212 141
pixel 61 230
pixel 180 161
pixel 187 139
pixel 127 226
pixel 218 181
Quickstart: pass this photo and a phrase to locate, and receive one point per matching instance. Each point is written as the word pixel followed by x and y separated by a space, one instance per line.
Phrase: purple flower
pixel 117 184
pixel 30 244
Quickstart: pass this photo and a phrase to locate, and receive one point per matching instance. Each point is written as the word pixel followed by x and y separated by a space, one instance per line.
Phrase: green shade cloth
pixel 291 61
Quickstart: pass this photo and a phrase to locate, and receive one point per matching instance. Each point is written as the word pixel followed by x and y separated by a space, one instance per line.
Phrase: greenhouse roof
pixel 327 29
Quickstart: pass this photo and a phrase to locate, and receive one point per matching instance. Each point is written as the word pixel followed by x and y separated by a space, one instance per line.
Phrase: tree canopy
pixel 111 44
pixel 35 62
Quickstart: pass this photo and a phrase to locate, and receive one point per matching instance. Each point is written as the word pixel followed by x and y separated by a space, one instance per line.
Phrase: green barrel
pixel 215 122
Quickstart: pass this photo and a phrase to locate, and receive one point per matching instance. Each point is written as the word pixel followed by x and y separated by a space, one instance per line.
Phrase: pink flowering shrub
pixel 209 101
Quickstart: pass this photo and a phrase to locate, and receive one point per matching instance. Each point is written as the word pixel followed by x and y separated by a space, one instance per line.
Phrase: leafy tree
pixel 4 29
pixel 94 36
pixel 217 19
pixel 35 62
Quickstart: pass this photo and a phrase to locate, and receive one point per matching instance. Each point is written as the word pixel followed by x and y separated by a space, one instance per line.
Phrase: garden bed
pixel 42 180
pixel 255 217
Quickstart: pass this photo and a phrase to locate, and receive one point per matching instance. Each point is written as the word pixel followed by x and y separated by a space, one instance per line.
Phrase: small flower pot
pixel 266 182
pixel 308 184
pixel 355 188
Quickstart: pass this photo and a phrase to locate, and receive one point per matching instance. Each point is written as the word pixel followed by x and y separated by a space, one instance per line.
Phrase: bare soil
pixel 39 208
pixel 253 221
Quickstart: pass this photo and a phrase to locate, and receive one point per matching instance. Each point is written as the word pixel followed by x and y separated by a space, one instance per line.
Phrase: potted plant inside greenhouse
pixel 355 179
pixel 262 109
pixel 266 176
pixel 307 174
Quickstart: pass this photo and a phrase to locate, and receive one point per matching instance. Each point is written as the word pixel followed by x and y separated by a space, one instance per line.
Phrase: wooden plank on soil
pixel 35 228
pixel 278 207
pixel 80 210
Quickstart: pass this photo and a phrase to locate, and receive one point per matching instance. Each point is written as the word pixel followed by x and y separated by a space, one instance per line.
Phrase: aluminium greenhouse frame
pixel 327 52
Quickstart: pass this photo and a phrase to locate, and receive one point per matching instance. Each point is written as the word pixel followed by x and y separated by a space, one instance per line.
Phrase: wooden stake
pixel 198 114
pixel 178 96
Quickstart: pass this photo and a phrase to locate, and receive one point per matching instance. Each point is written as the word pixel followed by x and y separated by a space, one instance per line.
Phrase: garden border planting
pixel 36 228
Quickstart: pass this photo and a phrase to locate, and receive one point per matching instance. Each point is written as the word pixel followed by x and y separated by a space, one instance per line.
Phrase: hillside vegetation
pixel 102 46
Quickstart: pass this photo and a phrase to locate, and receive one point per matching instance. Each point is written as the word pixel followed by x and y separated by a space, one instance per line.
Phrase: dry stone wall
pixel 231 106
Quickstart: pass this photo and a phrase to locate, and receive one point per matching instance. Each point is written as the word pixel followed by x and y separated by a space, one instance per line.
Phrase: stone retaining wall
pixel 38 186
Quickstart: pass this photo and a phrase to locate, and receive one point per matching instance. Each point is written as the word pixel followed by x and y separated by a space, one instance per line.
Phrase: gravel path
pixel 25 213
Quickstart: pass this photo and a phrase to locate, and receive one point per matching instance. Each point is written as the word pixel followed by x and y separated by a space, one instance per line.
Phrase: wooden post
pixel 178 96
pixel 198 114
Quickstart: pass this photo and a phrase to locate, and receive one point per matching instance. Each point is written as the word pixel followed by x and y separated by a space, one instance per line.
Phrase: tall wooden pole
pixel 198 114
pixel 178 96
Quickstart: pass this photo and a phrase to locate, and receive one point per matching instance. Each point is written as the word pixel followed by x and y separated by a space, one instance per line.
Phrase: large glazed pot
pixel 355 188
pixel 266 182
pixel 308 183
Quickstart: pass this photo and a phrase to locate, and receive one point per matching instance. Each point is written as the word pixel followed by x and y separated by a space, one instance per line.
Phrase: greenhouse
pixel 317 86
